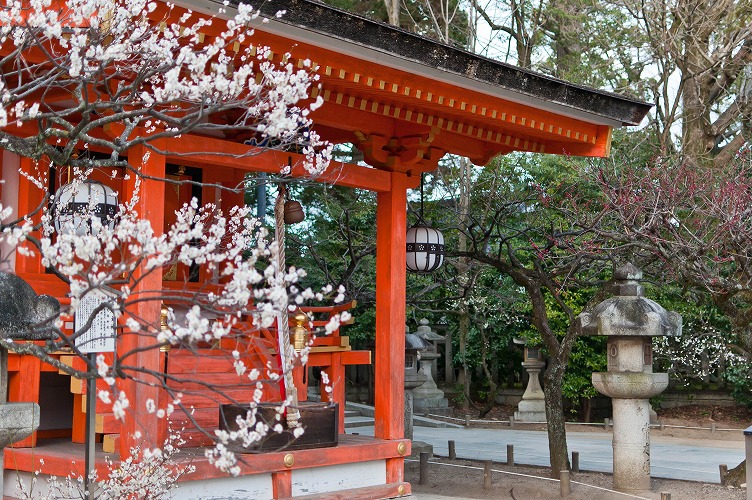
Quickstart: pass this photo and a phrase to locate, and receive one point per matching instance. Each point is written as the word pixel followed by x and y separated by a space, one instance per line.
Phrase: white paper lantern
pixel 425 249
pixel 77 202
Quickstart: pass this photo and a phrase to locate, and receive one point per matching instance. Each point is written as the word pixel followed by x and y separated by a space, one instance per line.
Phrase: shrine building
pixel 405 102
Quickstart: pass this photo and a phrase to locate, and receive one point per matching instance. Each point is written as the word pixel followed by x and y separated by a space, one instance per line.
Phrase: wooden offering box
pixel 319 420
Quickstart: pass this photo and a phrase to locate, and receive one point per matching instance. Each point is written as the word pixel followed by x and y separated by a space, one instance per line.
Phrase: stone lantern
pixel 23 316
pixel 428 397
pixel 532 408
pixel 630 320
pixel 413 378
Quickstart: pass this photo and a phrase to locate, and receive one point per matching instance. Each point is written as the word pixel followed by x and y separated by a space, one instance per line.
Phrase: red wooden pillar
pixel 390 317
pixel 30 198
pixel 282 484
pixel 150 205
pixel 78 433
pixel 336 374
pixel 24 386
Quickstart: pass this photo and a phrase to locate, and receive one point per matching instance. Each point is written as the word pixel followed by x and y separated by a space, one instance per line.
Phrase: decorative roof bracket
pixel 408 154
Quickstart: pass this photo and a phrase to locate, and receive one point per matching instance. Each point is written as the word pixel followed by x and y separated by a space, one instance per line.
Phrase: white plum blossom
pixel 186 70
pixel 240 367
pixel 120 405
pixel 102 366
pixel 122 75
pixel 333 324
pixel 146 473
pixel 104 396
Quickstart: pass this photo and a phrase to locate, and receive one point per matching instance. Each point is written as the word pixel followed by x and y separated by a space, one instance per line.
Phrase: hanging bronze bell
pixel 293 212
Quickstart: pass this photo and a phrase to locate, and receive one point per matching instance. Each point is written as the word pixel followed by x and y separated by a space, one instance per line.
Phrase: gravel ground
pixel 464 478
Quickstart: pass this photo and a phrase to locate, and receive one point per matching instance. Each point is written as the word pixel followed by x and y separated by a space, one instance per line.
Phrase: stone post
pixel 630 320
pixel 532 408
pixel 413 378
pixel 748 458
pixel 448 360
pixel 23 316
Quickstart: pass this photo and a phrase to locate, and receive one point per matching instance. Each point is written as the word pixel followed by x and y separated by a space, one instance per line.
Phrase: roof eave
pixel 325 26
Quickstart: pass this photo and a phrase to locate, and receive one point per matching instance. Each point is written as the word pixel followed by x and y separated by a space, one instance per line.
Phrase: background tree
pixel 517 226
pixel 700 55
pixel 443 20
pixel 593 43
pixel 336 245
pixel 588 354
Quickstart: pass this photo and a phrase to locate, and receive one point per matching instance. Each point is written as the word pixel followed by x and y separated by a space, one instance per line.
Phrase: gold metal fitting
pixel 163 313
pixel 402 448
pixel 289 460
pixel 299 331
pixel 163 326
pixel 401 489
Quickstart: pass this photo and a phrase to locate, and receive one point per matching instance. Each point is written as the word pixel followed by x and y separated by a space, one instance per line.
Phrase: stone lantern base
pixel 428 397
pixel 532 410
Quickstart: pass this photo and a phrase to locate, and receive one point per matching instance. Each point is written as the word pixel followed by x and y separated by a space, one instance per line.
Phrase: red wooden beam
pixel 192 150
pixel 346 358
pixel 61 459
pixel 351 449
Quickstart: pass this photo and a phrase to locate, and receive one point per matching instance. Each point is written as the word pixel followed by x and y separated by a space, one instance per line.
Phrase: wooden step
pixel 192 437
pixel 211 361
pixel 106 423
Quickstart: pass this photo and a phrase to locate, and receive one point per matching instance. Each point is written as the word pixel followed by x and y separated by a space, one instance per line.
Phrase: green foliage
pixel 493 305
pixel 588 356
pixel 739 376
pixel 705 354
pixel 335 245
pixel 588 353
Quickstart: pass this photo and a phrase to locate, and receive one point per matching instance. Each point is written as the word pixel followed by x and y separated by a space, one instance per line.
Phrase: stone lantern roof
pixel 628 313
pixel 424 331
pixel 413 341
pixel 23 313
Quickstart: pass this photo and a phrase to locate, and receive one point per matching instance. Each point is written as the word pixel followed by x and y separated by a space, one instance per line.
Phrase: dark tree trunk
pixel 558 357
pixel 490 399
pixel 464 327
pixel 587 409
pixel 557 434
pixel 492 386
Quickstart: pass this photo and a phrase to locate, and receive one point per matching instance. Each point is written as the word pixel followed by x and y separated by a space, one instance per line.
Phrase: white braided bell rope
pixel 283 324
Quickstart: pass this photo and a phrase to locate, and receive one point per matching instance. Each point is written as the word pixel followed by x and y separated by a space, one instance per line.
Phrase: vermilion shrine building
pixel 403 100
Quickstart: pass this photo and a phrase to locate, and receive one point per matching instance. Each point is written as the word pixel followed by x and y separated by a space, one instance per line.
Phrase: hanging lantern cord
pixel 421 197
pixel 424 244
pixel 420 220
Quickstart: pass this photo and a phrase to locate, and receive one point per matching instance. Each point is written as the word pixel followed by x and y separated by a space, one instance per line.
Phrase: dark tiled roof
pixel 340 25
